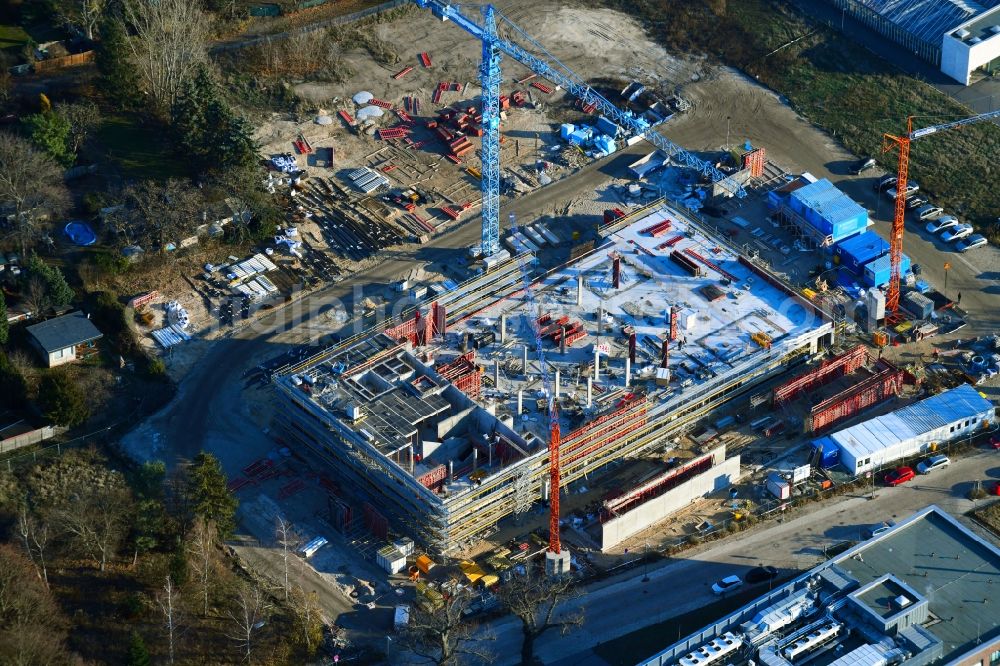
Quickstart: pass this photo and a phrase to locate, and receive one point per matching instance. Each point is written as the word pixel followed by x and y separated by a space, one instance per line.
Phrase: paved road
pixel 620 606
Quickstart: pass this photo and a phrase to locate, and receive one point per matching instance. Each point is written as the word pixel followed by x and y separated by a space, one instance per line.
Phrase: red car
pixel 898 476
pixel 995 442
pixel 996 488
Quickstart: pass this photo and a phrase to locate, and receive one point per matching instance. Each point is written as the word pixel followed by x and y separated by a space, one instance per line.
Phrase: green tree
pixel 208 495
pixel 13 387
pixel 61 400
pixel 4 325
pixel 119 80
pixel 51 133
pixel 57 291
pixel 138 653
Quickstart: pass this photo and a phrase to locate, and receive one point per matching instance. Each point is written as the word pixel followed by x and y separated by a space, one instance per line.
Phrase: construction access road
pixel 624 604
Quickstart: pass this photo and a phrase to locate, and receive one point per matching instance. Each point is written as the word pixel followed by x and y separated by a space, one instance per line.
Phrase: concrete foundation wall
pixel 718 477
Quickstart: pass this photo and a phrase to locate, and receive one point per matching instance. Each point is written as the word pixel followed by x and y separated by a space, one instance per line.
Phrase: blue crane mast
pixel 549 67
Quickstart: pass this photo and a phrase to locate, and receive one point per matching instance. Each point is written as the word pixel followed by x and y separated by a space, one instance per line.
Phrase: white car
pixel 911 188
pixel 933 463
pixel 942 223
pixel 727 584
pixel 928 212
pixel 971 243
pixel 957 233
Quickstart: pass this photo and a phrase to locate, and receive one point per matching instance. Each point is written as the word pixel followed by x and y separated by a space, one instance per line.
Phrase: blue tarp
pixel 606 126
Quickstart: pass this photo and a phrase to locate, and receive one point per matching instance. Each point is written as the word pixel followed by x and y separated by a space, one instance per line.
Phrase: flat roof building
pixel 920 593
pixel 438 419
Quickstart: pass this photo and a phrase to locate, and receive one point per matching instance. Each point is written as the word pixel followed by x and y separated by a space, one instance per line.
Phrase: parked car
pixel 933 463
pixel 899 476
pixel 727 584
pixel 916 269
pixel 916 201
pixel 928 212
pixel 971 243
pixel 761 574
pixel 911 188
pixel 884 182
pixel 942 223
pixel 864 165
pixel 958 232
pixel 996 488
pixel 876 530
pixel 995 442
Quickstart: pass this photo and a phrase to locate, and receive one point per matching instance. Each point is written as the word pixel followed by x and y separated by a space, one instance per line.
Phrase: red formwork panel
pixel 348 118
pixel 425 59
pixel 380 102
pixel 718 269
pixel 541 86
pixel 871 391
pixel 376 523
pixel 401 73
pixel 434 478
pixel 838 366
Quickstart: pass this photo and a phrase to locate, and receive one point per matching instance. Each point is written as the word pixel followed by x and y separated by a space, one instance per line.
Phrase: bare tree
pixel 85 14
pixel 442 634
pixel 249 612
pixel 94 515
pixel 167 601
pixel 83 117
pixel 35 537
pixel 153 214
pixel 308 618
pixel 31 188
pixel 167 43
pixel 35 296
pixel 32 629
pixel 201 549
pixel 284 534
pixel 535 601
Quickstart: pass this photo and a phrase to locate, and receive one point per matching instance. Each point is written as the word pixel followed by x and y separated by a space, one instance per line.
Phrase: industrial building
pixel 959 37
pixel 910 431
pixel 818 211
pixel 920 593
pixel 438 419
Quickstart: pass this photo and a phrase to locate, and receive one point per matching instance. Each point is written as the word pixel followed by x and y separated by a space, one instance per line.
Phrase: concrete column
pixel 628 371
pixel 600 320
pixel 556 395
pixel 524 362
pixel 579 289
pixel 597 365
pixel 590 391
pixel 562 340
pixel 503 328
pixel 496 373
pixel 451 471
pixel 520 401
pixel 475 458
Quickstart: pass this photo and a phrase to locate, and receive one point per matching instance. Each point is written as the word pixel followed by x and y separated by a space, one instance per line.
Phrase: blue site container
pixel 854 252
pixel 828 451
pixel 877 271
pixel 606 126
pixel 566 129
pixel 829 210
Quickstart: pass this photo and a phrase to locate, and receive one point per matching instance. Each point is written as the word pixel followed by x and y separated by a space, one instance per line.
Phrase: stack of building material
pixel 541 86
pixel 367 180
pixel 425 59
pixel 401 73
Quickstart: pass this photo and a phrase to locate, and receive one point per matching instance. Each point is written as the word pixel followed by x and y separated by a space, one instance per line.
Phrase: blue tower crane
pixel 549 67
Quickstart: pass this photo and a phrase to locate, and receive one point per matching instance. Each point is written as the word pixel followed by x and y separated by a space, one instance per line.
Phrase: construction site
pixel 439 422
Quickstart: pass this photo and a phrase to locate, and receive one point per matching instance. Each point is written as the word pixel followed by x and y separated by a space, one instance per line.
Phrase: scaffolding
pixel 886 383
pixel 828 371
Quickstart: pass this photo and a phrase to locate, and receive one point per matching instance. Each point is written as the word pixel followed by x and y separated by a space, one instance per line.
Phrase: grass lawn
pixel 12 37
pixel 639 645
pixel 138 150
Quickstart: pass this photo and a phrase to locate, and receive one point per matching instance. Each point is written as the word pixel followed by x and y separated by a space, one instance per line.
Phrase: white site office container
pixel 391 559
pixel 912 430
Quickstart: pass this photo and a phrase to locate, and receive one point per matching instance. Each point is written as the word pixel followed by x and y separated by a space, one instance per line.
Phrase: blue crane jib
pixel 547 66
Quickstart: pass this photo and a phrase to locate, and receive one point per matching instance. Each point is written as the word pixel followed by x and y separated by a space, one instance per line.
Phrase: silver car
pixel 942 223
pixel 971 243
pixel 928 212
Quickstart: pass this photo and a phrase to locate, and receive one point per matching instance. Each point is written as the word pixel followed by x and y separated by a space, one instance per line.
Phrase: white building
pixel 64 339
pixel 972 45
pixel 913 430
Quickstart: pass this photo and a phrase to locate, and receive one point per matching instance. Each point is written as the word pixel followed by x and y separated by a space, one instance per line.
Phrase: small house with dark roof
pixel 65 339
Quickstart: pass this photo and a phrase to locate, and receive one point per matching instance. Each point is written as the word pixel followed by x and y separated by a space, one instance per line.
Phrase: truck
pixel 401 618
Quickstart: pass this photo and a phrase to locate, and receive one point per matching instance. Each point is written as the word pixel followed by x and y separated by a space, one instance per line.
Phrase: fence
pixel 27 438
pixel 53 64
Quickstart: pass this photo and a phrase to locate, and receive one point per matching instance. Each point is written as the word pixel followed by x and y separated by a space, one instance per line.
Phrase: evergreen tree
pixel 4 325
pixel 138 654
pixel 208 495
pixel 13 387
pixel 118 77
pixel 50 132
pixel 57 290
pixel 61 400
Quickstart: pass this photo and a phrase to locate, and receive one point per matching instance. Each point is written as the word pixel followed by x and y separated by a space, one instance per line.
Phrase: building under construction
pixel 438 419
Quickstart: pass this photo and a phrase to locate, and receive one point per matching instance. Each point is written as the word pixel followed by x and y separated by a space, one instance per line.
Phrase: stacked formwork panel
pixel 829 370
pixel 887 382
